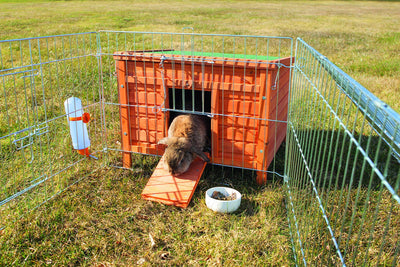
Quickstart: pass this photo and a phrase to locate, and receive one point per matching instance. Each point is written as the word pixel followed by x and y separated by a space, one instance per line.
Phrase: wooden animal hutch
pixel 247 100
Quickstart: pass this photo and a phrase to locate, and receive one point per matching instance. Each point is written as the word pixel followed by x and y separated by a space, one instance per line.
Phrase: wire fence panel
pixel 36 76
pixel 342 168
pixel 234 82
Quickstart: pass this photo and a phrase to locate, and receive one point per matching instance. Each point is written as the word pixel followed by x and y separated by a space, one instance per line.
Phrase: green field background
pixel 361 37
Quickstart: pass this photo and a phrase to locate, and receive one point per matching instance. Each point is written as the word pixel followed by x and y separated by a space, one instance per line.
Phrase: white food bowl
pixel 224 206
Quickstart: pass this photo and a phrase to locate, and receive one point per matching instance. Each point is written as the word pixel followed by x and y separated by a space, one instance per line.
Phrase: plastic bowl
pixel 223 206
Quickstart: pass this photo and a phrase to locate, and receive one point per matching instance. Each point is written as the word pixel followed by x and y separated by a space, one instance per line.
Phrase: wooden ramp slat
pixel 173 190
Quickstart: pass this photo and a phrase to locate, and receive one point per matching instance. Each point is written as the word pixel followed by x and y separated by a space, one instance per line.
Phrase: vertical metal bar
pixel 244 107
pixel 192 86
pixel 224 116
pixel 183 72
pixel 254 111
pixel 98 54
pixel 233 106
pixel 213 148
pixel 202 75
pixel 173 78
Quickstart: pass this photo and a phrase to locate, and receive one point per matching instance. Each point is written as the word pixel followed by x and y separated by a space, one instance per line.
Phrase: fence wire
pixel 342 169
pixel 178 73
pixel 339 162
pixel 36 76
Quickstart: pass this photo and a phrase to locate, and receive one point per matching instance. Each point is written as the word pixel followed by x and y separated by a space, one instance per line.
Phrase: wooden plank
pixel 244 134
pixel 124 113
pixel 173 190
pixel 237 161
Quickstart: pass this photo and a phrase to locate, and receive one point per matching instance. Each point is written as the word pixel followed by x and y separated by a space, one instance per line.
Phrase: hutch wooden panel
pixel 248 103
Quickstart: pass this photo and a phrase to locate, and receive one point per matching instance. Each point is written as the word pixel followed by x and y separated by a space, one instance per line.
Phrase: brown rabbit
pixel 186 138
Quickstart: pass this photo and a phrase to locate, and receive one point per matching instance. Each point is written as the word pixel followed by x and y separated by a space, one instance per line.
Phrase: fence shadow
pixel 349 161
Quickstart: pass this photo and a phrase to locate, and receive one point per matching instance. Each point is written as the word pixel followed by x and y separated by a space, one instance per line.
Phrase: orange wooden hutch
pixel 246 127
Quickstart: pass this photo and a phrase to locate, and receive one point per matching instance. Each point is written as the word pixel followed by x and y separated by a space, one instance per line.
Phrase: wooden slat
pixel 244 134
pixel 124 113
pixel 173 190
pixel 237 161
pixel 228 147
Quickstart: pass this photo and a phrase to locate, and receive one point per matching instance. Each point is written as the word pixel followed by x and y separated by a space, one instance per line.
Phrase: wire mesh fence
pixel 36 76
pixel 271 114
pixel 342 168
pixel 228 80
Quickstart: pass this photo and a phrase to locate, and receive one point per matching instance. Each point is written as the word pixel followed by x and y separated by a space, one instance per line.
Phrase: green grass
pixel 102 220
pixel 360 37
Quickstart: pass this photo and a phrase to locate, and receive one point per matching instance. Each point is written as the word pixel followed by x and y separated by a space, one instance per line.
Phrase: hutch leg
pixel 123 94
pixel 261 178
pixel 126 160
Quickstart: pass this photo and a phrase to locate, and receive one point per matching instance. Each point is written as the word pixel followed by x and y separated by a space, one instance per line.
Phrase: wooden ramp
pixel 174 190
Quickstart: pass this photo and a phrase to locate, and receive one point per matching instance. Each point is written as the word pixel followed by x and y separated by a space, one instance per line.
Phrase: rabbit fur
pixel 186 139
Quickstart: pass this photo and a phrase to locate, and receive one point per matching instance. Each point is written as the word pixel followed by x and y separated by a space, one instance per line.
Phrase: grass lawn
pixel 102 221
pixel 360 37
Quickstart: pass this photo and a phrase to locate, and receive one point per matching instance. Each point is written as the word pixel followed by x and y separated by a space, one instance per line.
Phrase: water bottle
pixel 77 123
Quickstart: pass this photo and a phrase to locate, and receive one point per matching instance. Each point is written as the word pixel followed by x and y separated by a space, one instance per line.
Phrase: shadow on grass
pixel 245 182
pixel 344 170
pixel 337 160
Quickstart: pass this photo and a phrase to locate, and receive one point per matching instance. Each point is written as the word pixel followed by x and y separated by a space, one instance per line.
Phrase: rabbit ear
pixel 163 141
pixel 202 155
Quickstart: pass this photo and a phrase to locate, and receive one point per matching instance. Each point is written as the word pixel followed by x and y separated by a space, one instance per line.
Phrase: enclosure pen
pixel 273 112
